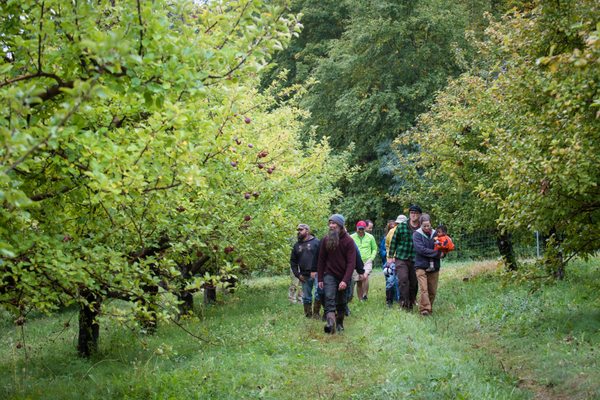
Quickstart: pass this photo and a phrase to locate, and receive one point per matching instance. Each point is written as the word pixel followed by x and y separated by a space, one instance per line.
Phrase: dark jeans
pixel 307 290
pixel 334 299
pixel 392 289
pixel 407 281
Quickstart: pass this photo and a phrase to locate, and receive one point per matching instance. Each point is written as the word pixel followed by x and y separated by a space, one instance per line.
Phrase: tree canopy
pixel 516 138
pixel 376 77
pixel 137 152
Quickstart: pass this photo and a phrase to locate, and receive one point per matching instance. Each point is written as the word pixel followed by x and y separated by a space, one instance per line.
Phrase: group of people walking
pixel 337 261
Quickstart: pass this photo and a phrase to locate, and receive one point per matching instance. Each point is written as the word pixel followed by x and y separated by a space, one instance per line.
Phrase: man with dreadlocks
pixel 337 260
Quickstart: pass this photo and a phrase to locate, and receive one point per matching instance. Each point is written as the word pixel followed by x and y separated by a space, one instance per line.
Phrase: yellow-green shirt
pixel 366 245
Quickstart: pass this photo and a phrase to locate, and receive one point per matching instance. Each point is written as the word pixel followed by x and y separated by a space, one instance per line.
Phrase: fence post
pixel 537 243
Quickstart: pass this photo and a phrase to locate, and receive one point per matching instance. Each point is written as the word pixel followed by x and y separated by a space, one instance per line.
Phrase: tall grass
pixel 486 340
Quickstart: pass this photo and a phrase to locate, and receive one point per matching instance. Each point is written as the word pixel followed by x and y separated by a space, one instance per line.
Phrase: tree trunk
pixel 505 246
pixel 554 256
pixel 560 271
pixel 210 294
pixel 89 329
pixel 187 302
pixel 150 321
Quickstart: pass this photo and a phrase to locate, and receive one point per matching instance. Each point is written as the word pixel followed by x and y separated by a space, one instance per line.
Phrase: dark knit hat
pixel 338 219
pixel 416 208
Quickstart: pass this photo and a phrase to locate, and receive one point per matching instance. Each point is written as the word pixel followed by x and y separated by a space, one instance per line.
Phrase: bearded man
pixel 336 262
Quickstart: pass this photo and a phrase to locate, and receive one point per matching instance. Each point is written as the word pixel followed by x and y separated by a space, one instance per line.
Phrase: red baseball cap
pixel 361 224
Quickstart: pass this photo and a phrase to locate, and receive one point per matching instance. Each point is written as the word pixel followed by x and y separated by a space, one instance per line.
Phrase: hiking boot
pixel 339 323
pixel 389 297
pixel 365 298
pixel 316 312
pixel 308 310
pixel 330 326
pixel 425 313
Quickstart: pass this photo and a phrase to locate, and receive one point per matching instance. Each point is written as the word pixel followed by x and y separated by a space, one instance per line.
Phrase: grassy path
pixel 485 341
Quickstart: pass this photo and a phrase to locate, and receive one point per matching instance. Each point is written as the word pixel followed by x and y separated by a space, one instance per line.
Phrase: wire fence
pixel 483 245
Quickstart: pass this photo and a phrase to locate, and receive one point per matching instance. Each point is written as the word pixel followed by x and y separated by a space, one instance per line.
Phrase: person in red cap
pixel 367 245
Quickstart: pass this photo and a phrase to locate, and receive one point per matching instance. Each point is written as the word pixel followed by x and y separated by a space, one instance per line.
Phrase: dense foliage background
pixel 153 149
pixel 483 112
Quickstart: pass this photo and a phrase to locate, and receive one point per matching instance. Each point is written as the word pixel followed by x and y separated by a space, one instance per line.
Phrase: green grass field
pixel 487 340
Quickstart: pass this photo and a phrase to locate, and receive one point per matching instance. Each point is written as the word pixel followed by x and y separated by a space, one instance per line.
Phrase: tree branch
pixel 139 11
pixel 44 196
pixel 47 138
pixel 171 186
pixel 245 58
pixel 39 74
pixel 55 90
pixel 41 26
pixel 234 26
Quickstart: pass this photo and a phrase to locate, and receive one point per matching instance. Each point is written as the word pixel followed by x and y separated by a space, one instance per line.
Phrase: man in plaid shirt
pixel 401 249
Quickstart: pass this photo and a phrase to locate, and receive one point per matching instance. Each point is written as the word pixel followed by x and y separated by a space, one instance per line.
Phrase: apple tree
pixel 517 137
pixel 137 157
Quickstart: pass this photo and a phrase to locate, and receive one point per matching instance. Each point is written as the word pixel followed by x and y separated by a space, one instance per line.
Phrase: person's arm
pixel 382 252
pixel 360 265
pixel 350 262
pixel 321 262
pixel 313 267
pixel 450 244
pixel 294 265
pixel 373 249
pixel 388 240
pixel 393 244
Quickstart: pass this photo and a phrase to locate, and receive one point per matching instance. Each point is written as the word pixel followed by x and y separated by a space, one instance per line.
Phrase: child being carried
pixel 443 243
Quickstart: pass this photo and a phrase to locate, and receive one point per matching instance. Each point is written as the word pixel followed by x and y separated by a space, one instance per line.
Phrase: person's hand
pixel 313 275
pixel 320 285
pixel 301 278
pixel 362 277
pixel 389 260
pixel 342 286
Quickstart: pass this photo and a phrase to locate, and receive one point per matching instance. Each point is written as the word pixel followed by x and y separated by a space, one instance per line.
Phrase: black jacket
pixel 360 265
pixel 304 257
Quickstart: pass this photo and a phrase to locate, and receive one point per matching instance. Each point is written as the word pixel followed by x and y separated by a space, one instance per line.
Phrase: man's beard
pixel 333 239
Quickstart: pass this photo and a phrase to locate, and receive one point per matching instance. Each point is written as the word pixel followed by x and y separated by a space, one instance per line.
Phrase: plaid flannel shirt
pixel 401 246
